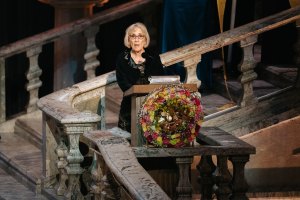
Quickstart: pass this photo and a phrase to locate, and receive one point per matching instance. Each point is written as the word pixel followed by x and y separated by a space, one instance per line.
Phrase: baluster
pixel 206 168
pixel 74 159
pixel 223 178
pixel 96 173
pixel 101 110
pixel 248 75
pixel 62 152
pixel 191 70
pixel 33 77
pixel 239 185
pixel 184 187
pixel 2 90
pixel 51 137
pixel 110 190
pixel 91 52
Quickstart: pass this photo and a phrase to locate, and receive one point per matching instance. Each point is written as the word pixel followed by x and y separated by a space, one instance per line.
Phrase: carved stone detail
pixel 184 187
pixel 223 178
pixel 190 65
pixel 248 75
pixel 91 52
pixel 74 158
pixel 33 77
pixel 239 184
pixel 206 167
pixel 123 170
pixel 100 187
pixel 62 152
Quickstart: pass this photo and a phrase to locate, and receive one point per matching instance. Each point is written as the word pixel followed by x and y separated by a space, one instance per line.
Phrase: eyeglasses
pixel 139 37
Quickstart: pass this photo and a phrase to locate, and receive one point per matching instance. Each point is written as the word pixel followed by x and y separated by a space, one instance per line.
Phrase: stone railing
pixel 190 55
pixel 64 123
pixel 246 35
pixel 70 112
pixel 33 46
pixel 117 160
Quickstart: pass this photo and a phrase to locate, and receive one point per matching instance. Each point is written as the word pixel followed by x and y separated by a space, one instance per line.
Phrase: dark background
pixel 23 18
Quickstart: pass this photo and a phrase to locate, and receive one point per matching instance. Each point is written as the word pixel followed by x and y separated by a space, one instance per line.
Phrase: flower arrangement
pixel 171 116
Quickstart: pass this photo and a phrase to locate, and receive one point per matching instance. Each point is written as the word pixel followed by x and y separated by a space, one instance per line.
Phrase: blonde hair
pixel 131 28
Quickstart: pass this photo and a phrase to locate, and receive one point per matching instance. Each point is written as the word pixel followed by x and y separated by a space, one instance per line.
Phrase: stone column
pixel 69 50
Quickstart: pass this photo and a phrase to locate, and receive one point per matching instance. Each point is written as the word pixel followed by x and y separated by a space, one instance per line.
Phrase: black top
pixel 129 73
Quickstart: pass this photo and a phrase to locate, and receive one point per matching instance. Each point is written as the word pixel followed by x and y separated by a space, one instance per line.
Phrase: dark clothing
pixel 128 74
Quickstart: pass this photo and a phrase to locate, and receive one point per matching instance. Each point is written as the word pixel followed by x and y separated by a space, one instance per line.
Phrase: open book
pixel 164 79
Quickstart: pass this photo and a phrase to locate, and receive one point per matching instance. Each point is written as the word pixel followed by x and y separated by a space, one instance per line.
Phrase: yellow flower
pixel 199 122
pixel 174 141
pixel 175 135
pixel 159 140
pixel 144 127
pixel 151 115
pixel 193 130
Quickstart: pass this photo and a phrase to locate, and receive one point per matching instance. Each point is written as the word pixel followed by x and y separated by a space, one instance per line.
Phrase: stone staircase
pixel 10 188
pixel 21 142
pixel 21 157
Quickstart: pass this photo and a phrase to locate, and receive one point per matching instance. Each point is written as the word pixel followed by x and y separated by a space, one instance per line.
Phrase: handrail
pixel 74 27
pixel 231 36
pixel 170 57
pixel 203 46
pixel 122 163
pixel 121 159
pixel 59 105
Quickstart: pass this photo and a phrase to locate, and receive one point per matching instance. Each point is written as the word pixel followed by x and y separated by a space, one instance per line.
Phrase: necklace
pixel 137 57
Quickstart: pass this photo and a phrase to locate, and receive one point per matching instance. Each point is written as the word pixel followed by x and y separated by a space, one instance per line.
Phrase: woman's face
pixel 137 40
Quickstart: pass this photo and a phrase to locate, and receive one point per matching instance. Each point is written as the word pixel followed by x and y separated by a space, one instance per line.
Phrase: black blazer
pixel 128 76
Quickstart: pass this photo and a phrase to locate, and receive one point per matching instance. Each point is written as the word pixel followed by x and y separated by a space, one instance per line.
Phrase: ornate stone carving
pixel 91 52
pixel 62 152
pixel 33 77
pixel 248 74
pixel 184 187
pixel 191 69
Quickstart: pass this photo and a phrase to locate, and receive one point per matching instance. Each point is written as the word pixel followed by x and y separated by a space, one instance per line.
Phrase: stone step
pixel 31 130
pixel 11 189
pixel 280 76
pixel 21 159
pixel 271 79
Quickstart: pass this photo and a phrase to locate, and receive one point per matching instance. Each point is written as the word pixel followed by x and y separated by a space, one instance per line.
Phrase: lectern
pixel 137 93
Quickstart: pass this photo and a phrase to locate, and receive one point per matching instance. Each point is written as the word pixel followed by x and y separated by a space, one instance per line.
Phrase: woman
pixel 134 66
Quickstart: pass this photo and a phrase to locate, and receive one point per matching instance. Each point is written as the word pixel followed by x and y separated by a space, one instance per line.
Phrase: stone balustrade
pixel 190 54
pixel 116 158
pixel 63 126
pixel 65 117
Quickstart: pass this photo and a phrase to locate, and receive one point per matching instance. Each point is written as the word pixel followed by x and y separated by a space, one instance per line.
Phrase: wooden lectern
pixel 137 93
